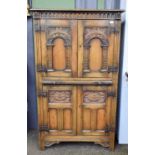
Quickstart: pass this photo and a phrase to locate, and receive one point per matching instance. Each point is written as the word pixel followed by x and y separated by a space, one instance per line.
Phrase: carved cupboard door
pixel 59 109
pixel 95 49
pixel 58 43
pixel 94 104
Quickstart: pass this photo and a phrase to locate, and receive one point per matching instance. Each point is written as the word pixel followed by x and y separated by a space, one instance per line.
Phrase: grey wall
pixel 112 4
pixel 123 102
pixel 86 4
pixel 31 93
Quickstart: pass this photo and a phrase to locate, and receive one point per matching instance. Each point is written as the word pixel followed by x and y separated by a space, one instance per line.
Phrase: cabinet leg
pixel 104 144
pixel 112 146
pixel 112 141
pixel 42 146
pixel 41 141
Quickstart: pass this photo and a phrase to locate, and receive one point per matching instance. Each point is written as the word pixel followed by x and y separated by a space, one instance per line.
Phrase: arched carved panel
pixel 95 33
pixel 59 42
pixel 58 32
pixel 98 35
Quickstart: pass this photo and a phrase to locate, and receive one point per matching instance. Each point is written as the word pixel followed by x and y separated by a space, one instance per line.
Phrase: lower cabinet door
pixel 60 109
pixel 93 110
pixel 77 110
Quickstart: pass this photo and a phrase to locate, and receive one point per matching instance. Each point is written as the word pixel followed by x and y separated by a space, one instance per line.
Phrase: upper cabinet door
pixel 56 40
pixel 96 48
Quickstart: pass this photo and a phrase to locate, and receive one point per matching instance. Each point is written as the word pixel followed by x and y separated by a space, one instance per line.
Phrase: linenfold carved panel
pixel 59 96
pixel 94 96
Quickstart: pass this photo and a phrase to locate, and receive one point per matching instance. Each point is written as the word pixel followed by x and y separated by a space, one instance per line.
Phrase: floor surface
pixel 71 148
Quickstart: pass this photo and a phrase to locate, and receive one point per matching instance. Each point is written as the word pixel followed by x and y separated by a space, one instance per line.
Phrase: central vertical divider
pixel 79 69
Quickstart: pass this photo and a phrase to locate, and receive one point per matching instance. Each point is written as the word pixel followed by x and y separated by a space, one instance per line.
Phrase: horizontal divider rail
pixel 76 82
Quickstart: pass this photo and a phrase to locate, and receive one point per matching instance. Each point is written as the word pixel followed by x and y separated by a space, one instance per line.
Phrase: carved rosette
pixel 59 96
pixel 94 97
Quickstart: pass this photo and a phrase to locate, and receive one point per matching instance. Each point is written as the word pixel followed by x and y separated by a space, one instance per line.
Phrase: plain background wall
pixel 31 87
pixel 123 102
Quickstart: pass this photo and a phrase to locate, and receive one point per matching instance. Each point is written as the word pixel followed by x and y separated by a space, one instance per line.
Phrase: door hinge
pixel 112 69
pixel 43 128
pixel 43 94
pixel 112 93
pixel 41 68
pixel 108 129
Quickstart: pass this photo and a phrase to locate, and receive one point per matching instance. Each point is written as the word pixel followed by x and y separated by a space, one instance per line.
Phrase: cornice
pixel 76 14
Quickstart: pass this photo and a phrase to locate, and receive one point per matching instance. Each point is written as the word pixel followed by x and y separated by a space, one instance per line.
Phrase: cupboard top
pixel 76 14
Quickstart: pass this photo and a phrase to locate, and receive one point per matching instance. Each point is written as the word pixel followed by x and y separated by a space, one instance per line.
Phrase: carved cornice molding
pixel 78 14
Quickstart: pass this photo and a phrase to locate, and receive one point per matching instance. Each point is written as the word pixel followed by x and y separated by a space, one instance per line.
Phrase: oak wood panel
pixel 101 123
pixel 86 119
pixel 95 60
pixel 59 61
pixel 60 119
pixel 53 119
pixel 67 119
pixel 93 119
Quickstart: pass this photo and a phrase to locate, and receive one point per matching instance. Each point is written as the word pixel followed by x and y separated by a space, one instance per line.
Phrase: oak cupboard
pixel 77 66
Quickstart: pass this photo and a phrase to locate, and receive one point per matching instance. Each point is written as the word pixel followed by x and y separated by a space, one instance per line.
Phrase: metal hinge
pixel 112 69
pixel 112 93
pixel 108 129
pixel 41 68
pixel 43 94
pixel 43 128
